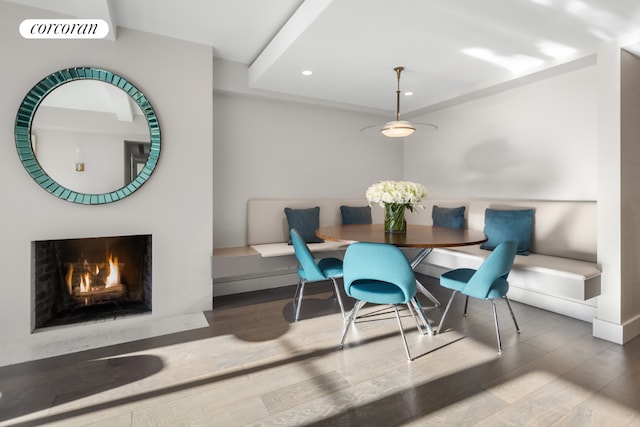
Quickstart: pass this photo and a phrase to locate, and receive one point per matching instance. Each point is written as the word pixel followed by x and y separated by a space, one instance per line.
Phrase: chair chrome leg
pixel 301 287
pixel 355 314
pixel 427 325
pixel 352 317
pixel 295 298
pixel 404 339
pixel 337 292
pixel 415 319
pixel 495 317
pixel 446 310
pixel 515 322
pixel 466 304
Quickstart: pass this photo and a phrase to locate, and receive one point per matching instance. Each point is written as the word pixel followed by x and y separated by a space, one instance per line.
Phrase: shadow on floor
pixel 72 382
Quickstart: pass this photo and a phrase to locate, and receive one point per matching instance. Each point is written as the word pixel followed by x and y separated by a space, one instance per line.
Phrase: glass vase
pixel 394 220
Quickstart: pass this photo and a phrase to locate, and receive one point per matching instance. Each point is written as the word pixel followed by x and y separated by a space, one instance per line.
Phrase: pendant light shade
pixel 397 129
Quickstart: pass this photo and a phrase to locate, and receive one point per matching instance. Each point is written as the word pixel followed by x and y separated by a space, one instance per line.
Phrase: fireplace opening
pixel 90 279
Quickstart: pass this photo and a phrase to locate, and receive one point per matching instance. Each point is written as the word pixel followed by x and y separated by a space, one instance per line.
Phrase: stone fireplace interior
pixel 90 279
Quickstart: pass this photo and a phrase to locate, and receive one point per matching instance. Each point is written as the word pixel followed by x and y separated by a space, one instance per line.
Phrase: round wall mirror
pixel 87 135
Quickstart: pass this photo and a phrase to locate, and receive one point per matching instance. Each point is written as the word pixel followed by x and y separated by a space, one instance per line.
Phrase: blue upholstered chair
pixel 311 271
pixel 488 282
pixel 380 274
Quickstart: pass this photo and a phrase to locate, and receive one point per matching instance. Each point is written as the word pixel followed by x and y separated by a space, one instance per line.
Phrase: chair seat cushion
pixel 377 292
pixel 330 267
pixel 499 288
pixel 456 279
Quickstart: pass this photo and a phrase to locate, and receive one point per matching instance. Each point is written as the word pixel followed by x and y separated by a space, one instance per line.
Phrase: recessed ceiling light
pixel 307 72
pixel 408 93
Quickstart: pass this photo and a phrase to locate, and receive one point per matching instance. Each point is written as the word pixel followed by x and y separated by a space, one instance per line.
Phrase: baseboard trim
pixel 230 287
pixel 617 333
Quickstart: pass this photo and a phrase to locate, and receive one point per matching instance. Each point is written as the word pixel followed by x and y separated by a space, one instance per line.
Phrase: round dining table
pixel 423 237
pixel 416 236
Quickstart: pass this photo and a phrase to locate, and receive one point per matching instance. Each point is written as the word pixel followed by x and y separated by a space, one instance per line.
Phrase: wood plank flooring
pixel 254 366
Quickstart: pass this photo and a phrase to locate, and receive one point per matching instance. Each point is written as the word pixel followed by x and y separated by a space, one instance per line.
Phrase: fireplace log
pixel 99 295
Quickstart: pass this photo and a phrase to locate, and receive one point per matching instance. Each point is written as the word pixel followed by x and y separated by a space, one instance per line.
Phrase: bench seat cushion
pixel 281 249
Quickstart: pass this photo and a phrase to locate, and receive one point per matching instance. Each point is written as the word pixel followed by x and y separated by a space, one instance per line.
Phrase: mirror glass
pixel 88 136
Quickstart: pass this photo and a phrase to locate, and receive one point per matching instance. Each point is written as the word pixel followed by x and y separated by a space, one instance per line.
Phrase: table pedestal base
pixel 418 308
pixel 414 263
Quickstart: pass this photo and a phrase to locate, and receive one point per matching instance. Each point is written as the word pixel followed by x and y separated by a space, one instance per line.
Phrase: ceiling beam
pixel 289 33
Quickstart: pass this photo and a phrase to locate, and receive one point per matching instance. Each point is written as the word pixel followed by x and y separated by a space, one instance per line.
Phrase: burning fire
pixel 85 282
pixel 91 277
pixel 114 272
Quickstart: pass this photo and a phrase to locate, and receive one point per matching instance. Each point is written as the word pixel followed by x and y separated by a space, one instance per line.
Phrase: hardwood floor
pixel 255 366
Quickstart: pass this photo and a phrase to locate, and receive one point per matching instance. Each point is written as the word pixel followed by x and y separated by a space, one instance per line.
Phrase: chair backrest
pixel 379 261
pixel 305 257
pixel 494 269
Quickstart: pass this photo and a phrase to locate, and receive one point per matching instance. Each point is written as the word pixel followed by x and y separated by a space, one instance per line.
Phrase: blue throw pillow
pixel 355 214
pixel 306 221
pixel 448 217
pixel 502 225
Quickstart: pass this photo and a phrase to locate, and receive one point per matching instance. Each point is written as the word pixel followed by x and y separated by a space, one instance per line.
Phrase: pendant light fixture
pixel 398 128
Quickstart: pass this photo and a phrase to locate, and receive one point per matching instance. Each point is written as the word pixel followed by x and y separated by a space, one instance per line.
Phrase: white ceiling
pixel 448 47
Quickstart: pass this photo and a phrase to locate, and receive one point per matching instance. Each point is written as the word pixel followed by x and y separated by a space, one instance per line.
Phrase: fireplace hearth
pixel 90 279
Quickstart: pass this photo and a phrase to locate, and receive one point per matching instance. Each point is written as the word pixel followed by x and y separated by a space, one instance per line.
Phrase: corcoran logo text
pixel 64 29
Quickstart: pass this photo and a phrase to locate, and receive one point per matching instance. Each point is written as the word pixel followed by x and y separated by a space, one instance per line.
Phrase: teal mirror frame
pixel 27 111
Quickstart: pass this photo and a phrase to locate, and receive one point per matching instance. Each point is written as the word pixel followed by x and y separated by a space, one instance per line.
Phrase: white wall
pixel 538 141
pixel 558 138
pixel 266 147
pixel 175 205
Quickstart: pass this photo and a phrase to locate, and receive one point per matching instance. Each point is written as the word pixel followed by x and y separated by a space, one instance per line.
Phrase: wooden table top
pixel 417 236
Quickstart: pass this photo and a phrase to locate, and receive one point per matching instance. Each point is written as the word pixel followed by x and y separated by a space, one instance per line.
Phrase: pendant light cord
pixel 398 71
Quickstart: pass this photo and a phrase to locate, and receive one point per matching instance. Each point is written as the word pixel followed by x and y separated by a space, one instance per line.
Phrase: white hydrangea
pixel 405 193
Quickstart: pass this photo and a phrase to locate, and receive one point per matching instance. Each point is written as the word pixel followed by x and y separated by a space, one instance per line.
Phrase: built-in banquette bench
pixel 268 261
pixel 560 274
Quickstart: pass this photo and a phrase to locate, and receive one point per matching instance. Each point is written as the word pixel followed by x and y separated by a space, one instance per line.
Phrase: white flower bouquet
pixel 395 197
pixel 406 193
